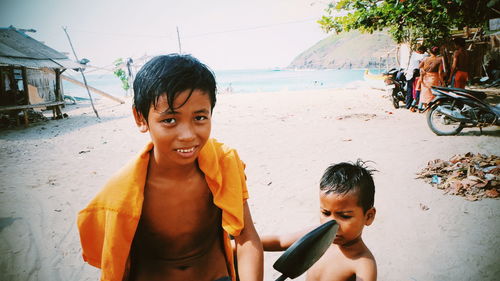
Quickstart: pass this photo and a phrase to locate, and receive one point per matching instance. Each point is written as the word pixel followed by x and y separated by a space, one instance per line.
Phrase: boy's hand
pixel 249 252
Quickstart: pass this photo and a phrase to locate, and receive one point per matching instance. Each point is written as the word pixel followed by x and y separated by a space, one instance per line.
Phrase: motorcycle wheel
pixel 395 101
pixel 441 124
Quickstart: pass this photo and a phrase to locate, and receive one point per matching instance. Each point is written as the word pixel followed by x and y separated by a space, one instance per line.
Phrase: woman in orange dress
pixel 431 70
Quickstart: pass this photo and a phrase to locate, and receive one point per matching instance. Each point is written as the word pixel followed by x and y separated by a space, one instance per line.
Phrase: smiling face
pixel 349 215
pixel 178 134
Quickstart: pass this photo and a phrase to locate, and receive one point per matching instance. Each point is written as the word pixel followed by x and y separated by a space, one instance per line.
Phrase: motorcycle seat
pixel 477 94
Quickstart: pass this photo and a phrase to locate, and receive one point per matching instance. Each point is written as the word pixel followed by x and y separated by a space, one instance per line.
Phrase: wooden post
pixel 26 119
pixel 179 40
pixel 25 85
pixel 26 94
pixel 58 85
pixel 387 63
pixel 97 91
pixel 58 93
pixel 2 83
pixel 83 75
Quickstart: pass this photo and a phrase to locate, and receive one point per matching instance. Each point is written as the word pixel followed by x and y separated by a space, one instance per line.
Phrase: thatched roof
pixel 17 48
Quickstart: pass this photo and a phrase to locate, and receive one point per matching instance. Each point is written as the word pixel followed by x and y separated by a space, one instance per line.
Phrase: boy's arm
pixel 441 73
pixel 453 67
pixel 421 67
pixel 249 251
pixel 273 243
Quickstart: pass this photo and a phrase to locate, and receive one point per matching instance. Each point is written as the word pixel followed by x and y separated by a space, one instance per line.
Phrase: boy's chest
pixel 332 266
pixel 178 216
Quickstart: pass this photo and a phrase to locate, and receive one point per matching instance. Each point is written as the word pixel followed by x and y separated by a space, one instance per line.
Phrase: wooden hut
pixel 30 74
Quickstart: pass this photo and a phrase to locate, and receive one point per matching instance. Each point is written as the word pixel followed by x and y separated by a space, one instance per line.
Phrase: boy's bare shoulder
pixel 365 266
pixel 335 265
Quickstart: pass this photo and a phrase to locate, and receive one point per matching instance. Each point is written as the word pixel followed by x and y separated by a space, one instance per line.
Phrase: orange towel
pixel 108 224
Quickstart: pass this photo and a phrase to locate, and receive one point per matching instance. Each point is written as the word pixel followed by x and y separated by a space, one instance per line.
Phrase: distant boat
pixel 374 80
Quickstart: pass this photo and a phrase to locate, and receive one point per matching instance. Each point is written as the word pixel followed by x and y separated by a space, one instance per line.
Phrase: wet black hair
pixel 171 75
pixel 346 177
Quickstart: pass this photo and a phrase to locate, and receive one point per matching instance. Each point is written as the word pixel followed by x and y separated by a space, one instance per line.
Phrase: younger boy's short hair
pixel 170 75
pixel 346 177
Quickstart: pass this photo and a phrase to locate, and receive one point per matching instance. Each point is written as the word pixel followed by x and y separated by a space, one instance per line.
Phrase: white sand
pixel 51 170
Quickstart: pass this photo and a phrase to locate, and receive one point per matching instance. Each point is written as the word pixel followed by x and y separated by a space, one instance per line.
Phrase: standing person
pixel 412 72
pixel 346 195
pixel 459 69
pixel 168 214
pixel 431 73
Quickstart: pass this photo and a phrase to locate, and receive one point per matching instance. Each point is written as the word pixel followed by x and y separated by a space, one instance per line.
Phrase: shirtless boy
pixel 346 195
pixel 169 213
pixel 459 69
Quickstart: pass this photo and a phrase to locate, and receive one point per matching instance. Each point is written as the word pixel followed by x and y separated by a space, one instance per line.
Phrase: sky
pixel 224 34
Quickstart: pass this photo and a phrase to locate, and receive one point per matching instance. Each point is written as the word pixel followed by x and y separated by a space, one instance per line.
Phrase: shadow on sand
pixel 74 121
pixel 491 132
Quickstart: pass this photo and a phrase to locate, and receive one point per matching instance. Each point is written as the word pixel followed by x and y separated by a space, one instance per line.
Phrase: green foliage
pixel 121 73
pixel 405 20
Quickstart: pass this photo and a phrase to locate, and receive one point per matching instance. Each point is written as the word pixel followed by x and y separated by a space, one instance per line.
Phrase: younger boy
pixel 169 213
pixel 346 195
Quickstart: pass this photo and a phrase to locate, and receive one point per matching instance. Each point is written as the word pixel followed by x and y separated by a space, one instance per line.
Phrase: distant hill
pixel 348 50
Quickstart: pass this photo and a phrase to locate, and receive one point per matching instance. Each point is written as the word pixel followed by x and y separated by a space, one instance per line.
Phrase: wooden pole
pixel 26 94
pixel 25 85
pixel 97 91
pixel 179 40
pixel 59 97
pixel 81 71
pixel 58 85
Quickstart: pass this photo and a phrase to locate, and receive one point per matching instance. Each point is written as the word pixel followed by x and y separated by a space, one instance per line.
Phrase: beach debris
pixel 83 151
pixel 52 181
pixel 346 139
pixel 473 176
pixel 364 116
pixel 436 179
pixel 423 207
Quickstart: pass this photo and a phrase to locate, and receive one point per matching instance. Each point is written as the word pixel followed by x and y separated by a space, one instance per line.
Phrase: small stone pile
pixel 473 176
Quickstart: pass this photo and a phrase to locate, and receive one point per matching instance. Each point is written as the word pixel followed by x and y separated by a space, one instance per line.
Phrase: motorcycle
pixel 453 109
pixel 396 82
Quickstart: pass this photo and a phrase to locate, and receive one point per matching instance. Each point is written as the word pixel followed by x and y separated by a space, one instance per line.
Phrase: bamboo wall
pixel 45 83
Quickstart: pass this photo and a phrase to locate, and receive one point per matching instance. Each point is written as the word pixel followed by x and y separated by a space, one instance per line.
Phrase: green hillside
pixel 348 50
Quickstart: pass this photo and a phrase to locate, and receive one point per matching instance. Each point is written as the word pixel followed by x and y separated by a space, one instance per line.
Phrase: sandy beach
pixel 49 171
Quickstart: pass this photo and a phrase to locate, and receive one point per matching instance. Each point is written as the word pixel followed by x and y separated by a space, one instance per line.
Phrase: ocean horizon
pixel 238 81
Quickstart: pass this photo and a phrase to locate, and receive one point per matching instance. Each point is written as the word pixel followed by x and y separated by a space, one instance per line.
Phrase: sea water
pixel 237 81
